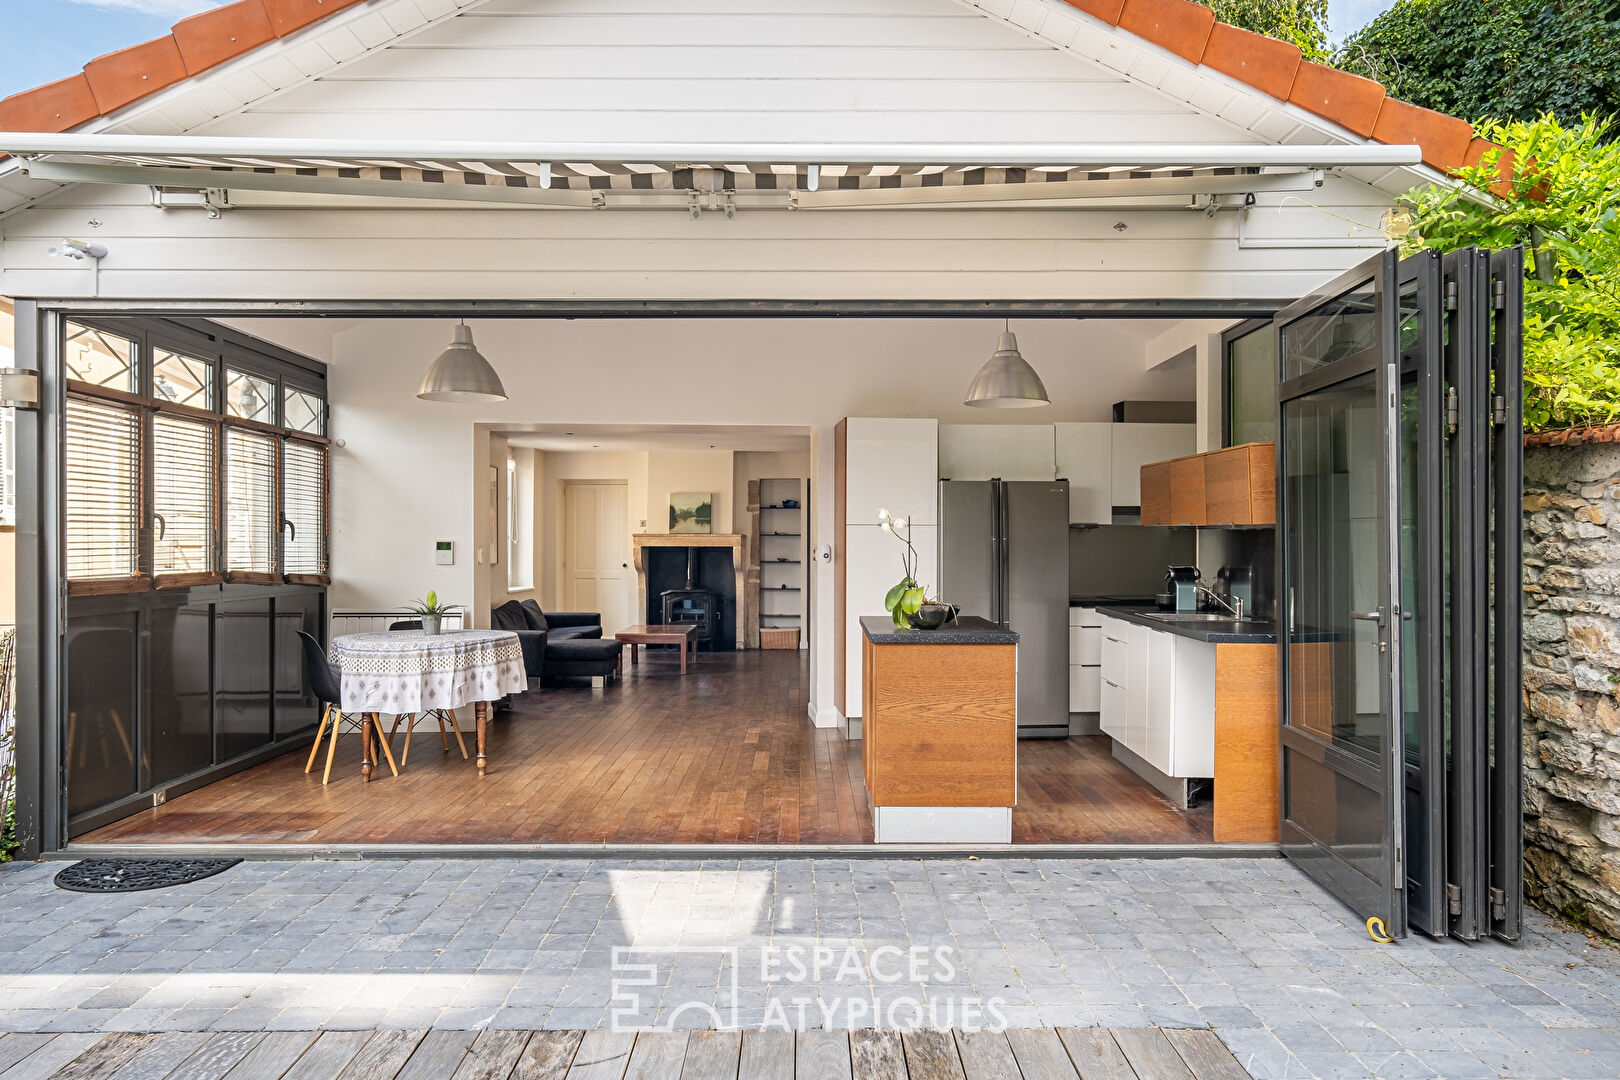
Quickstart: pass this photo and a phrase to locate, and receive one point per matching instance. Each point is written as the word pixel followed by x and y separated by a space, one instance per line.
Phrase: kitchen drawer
pixel 1085 644
pixel 1114 660
pixel 1112 705
pixel 1085 688
pixel 1077 616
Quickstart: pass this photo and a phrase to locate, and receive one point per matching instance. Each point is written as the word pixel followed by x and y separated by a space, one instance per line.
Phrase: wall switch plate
pixel 444 552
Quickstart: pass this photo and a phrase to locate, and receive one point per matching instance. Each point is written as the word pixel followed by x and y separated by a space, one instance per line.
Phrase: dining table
pixel 408 671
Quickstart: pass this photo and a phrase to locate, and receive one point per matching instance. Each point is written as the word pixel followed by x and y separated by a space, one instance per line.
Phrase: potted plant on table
pixel 908 603
pixel 431 611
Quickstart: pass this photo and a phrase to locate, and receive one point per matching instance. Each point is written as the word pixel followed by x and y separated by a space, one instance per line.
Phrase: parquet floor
pixel 723 755
pixel 863 1054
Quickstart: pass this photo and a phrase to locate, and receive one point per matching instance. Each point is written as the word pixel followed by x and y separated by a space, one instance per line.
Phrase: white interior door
pixel 596 553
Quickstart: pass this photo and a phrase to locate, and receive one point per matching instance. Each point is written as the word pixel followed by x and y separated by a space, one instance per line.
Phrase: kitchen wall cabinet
pixel 996 452
pixel 1103 464
pixel 1234 486
pixel 893 464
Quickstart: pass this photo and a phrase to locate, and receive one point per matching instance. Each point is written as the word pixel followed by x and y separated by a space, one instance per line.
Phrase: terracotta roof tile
pixel 120 77
pixel 1444 138
pixel 221 33
pixel 1477 149
pixel 1181 26
pixel 55 106
pixel 1263 62
pixel 1348 100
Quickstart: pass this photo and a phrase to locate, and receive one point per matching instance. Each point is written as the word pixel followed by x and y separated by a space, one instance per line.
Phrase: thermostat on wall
pixel 444 552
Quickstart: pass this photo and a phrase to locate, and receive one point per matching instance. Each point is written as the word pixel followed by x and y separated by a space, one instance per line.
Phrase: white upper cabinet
pixel 996 452
pixel 1136 445
pixel 1084 457
pixel 893 464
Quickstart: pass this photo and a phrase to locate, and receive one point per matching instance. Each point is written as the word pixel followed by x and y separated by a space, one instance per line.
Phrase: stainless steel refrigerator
pixel 1004 554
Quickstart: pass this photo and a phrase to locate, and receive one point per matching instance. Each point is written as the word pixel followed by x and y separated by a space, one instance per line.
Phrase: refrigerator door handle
pixel 1003 572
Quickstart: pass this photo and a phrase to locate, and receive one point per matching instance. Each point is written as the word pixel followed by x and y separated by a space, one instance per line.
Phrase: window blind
pixel 251 524
pixel 303 499
pixel 183 495
pixel 103 497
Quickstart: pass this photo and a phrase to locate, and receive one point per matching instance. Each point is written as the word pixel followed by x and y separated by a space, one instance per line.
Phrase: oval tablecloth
pixel 407 671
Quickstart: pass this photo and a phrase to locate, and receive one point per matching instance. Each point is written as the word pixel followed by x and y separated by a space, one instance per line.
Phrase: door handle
pixel 163 526
pixel 1376 615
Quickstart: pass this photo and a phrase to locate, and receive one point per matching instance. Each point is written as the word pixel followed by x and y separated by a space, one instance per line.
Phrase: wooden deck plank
pixel 274 1055
pixel 1040 1053
pixel 657 1055
pixel 51 1055
pixel 492 1056
pixel 218 1056
pixel 1151 1054
pixel 1205 1056
pixel 160 1057
pixel 383 1055
pixel 931 1055
pixel 602 1055
pixel 766 1055
pixel 822 1055
pixel 13 1048
pixel 986 1055
pixel 1095 1054
pixel 548 1055
pixel 876 1054
pixel 108 1055
pixel 327 1055
pixel 712 1055
pixel 438 1055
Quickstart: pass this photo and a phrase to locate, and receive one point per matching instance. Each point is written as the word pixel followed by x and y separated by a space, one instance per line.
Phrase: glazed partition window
pixel 194 547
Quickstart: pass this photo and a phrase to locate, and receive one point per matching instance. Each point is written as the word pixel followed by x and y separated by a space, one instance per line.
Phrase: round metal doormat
pixel 137 875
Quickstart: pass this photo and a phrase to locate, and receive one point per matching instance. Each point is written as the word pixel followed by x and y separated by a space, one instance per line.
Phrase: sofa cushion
pixel 575 633
pixel 532 612
pixel 509 616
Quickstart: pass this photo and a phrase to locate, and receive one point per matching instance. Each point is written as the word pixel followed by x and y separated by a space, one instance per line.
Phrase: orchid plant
pixel 908 597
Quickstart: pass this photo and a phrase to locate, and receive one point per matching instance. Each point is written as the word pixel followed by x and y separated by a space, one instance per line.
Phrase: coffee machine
pixel 1181 582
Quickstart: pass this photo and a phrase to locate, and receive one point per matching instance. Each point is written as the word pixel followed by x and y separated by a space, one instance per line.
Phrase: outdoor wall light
pixel 1006 381
pixel 461 373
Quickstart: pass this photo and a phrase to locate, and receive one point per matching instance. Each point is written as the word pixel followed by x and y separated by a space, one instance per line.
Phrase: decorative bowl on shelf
pixel 931 616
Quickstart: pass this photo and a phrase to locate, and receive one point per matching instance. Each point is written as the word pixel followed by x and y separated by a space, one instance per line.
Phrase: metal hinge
pixel 1498 905
pixel 1451 410
pixel 1453 899
pixel 1451 296
pixel 1498 410
pixel 1498 294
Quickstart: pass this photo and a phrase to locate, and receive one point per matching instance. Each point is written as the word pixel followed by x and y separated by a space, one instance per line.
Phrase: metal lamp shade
pixel 461 374
pixel 1006 381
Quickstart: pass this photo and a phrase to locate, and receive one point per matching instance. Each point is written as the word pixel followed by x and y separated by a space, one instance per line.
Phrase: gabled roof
pixel 1188 30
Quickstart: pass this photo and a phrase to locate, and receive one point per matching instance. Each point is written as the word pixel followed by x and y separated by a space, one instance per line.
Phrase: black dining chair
pixel 409 719
pixel 324 683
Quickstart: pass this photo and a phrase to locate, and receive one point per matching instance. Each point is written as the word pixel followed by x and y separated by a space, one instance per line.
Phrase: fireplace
pixel 713 563
pixel 692 605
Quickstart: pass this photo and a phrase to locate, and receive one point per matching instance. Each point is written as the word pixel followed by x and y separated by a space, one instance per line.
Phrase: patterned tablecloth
pixel 407 671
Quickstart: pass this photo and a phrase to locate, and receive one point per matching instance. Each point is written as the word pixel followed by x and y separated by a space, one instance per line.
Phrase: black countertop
pixel 966 630
pixel 1213 631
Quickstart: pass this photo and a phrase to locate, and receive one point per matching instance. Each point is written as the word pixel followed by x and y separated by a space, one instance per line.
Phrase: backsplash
pixel 1125 560
pixel 1254 548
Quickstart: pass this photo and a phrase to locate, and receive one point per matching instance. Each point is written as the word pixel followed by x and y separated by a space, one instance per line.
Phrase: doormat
pixel 137 875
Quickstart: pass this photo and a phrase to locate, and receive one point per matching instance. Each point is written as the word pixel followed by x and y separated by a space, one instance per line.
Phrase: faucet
pixel 1235 606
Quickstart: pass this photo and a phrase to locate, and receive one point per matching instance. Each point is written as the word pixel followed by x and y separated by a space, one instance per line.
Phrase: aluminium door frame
pixel 41 591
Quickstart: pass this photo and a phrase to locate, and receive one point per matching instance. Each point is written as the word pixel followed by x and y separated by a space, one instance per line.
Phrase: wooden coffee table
pixel 682 634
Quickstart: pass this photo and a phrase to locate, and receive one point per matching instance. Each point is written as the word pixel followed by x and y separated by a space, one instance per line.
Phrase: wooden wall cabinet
pixel 1234 486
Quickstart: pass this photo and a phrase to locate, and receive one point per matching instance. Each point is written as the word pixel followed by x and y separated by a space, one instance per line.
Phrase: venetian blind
pixel 103 497
pixel 250 502
pixel 183 495
pixel 303 502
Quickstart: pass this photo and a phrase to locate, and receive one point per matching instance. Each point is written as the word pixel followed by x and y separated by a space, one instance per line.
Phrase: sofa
pixel 559 644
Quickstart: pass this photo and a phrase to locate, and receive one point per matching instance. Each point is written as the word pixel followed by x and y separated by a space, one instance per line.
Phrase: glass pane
pixel 242 638
pixel 1333 458
pixel 182 379
pixel 250 396
pixel 296 707
pixel 1251 407
pixel 250 501
pixel 182 496
pixel 303 411
pixel 1341 327
pixel 100 747
pixel 95 356
pixel 179 717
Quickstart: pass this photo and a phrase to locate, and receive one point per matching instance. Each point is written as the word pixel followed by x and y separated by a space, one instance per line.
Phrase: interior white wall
pixel 670 471
pixel 1203 336
pixel 405 475
pixel 628 467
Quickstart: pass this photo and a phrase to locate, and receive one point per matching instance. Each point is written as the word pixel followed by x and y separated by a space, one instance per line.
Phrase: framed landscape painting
pixel 691 512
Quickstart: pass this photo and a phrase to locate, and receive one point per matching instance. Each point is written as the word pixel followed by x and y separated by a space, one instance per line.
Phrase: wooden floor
pixel 1041 1054
pixel 723 755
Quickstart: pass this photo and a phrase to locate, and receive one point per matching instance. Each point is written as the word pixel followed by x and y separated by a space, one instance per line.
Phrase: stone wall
pixel 1572 679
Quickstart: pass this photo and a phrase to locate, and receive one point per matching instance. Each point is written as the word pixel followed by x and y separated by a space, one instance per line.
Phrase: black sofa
pixel 559 644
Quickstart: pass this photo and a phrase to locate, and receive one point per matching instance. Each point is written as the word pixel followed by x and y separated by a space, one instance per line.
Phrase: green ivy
pixel 1302 22
pixel 1564 207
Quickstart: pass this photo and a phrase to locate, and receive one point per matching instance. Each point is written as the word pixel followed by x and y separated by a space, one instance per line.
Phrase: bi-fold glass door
pixel 1399 466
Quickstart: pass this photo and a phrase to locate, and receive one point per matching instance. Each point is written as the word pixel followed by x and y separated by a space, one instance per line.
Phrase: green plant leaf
pixel 899 618
pixel 894 596
pixel 912 601
pixel 431 601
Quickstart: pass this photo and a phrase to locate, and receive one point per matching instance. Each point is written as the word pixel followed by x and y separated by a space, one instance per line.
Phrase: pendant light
pixel 461 373
pixel 1006 381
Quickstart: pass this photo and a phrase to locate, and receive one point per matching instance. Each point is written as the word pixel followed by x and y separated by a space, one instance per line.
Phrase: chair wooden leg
pixel 406 756
pixel 376 722
pixel 320 730
pixel 409 720
pixel 331 745
pixel 457 729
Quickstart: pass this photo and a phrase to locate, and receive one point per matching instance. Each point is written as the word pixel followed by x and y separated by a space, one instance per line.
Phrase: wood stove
pixel 691 605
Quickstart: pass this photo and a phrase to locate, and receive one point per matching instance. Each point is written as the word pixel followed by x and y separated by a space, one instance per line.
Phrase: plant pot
pixel 931 616
pixel 430 623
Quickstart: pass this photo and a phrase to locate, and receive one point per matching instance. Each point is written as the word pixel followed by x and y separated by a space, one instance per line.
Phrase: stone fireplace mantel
pixel 737 542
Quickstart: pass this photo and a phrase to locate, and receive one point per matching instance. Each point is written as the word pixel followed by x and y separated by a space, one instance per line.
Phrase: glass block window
pixel 99 358
pixel 303 411
pixel 252 397
pixel 182 379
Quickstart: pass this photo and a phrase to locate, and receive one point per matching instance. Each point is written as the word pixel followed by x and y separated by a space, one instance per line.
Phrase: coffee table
pixel 682 634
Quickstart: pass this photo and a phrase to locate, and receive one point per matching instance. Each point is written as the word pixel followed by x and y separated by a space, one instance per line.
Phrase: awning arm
pixel 1030 155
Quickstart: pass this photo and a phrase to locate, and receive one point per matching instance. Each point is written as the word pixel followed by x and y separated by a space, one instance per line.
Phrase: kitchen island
pixel 940 731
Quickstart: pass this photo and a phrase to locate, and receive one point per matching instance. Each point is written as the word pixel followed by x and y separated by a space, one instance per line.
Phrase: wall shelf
pixel 785 535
